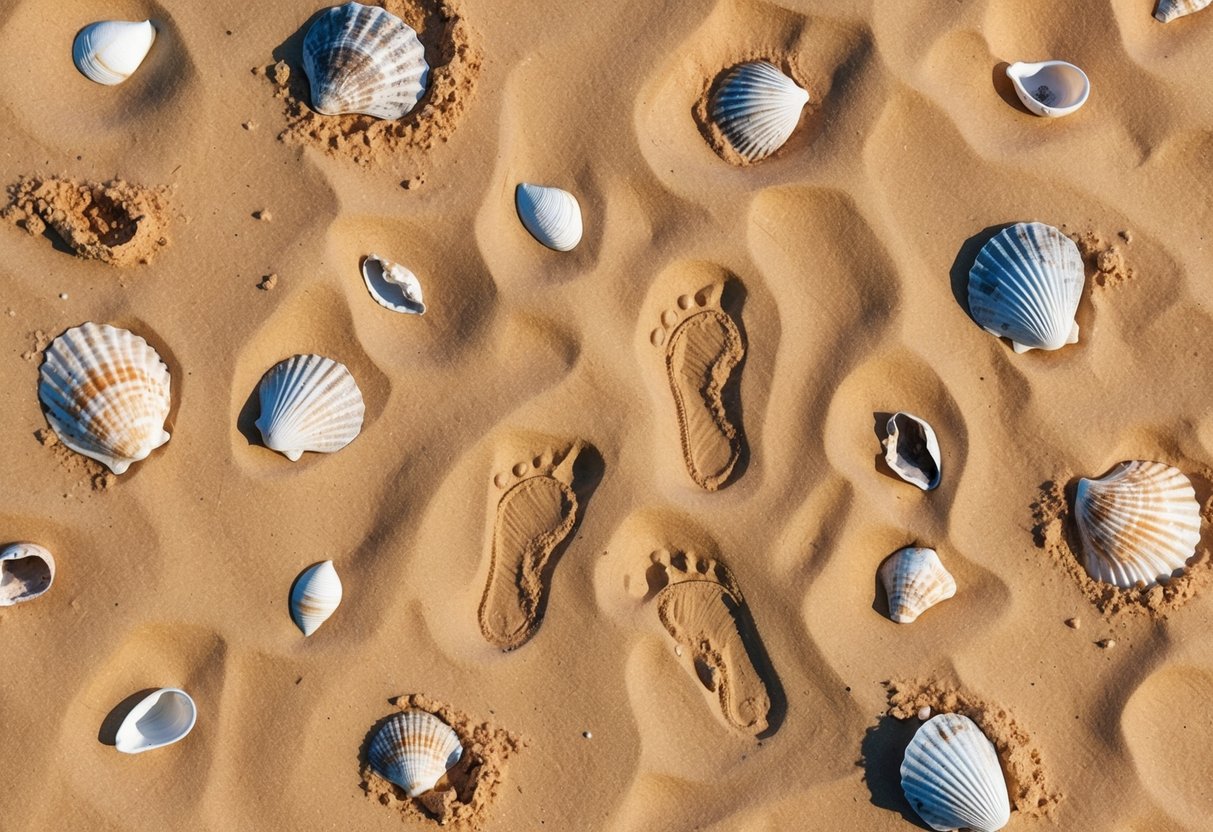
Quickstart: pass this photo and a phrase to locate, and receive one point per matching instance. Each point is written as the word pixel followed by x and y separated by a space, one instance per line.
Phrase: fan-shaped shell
pixel 911 450
pixel 1026 285
pixel 110 51
pixel 1139 522
pixel 364 59
pixel 952 778
pixel 1168 10
pixel 413 750
pixel 551 215
pixel 757 108
pixel 1050 88
pixel 392 285
pixel 26 571
pixel 315 595
pixel 106 394
pixel 162 718
pixel 915 580
pixel 309 403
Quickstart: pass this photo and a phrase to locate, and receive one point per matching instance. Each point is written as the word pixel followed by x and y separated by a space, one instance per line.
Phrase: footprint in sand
pixel 702 608
pixel 702 348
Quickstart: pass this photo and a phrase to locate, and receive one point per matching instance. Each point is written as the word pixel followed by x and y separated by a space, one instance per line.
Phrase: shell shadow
pixel 881 752
pixel 732 301
pixel 880 598
pixel 1005 89
pixel 246 421
pixel 965 258
pixel 107 734
pixel 880 427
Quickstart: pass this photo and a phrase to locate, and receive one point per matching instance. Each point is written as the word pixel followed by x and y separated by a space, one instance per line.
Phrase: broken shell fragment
pixel 392 285
pixel 27 571
pixel 911 450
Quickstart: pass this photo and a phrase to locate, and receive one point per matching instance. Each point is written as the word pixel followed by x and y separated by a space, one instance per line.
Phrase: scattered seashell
pixel 392 285
pixel 106 394
pixel 315 596
pixel 1168 10
pixel 26 572
pixel 924 713
pixel 952 778
pixel 911 450
pixel 1138 523
pixel 1073 623
pixel 110 51
pixel 757 108
pixel 163 717
pixel 364 59
pixel 915 580
pixel 414 749
pixel 1050 88
pixel 309 403
pixel 551 215
pixel 1026 284
pixel 1106 643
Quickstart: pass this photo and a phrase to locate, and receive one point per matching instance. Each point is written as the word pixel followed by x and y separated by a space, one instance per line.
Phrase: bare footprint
pixel 702 608
pixel 702 348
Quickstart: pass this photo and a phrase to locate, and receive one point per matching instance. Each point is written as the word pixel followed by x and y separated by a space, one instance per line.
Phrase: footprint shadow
pixel 732 300
pixel 107 734
pixel 766 671
pixel 965 258
pixel 881 752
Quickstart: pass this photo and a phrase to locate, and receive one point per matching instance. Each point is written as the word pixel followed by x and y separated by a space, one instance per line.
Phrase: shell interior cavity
pixel 952 778
pixel 551 215
pixel 414 749
pixel 912 451
pixel 915 580
pixel 1139 523
pixel 106 394
pixel 315 595
pixel 110 51
pixel 309 403
pixel 392 285
pixel 1026 285
pixel 1050 88
pixel 1168 10
pixel 26 572
pixel 364 59
pixel 757 108
pixel 162 718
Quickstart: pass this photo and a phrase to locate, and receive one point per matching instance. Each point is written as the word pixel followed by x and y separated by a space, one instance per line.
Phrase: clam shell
pixel 1026 284
pixel 315 595
pixel 392 285
pixel 26 571
pixel 952 778
pixel 364 59
pixel 414 749
pixel 1050 88
pixel 162 718
pixel 1139 522
pixel 911 450
pixel 106 394
pixel 915 580
pixel 551 215
pixel 1168 10
pixel 110 51
pixel 757 108
pixel 309 403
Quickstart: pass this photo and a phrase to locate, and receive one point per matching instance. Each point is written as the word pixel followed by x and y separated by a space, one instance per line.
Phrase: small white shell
pixel 413 750
pixel 309 403
pixel 162 718
pixel 106 394
pixel 1168 10
pixel 1026 285
pixel 757 108
pixel 364 59
pixel 1050 88
pixel 911 450
pixel 26 572
pixel 915 580
pixel 110 51
pixel 392 285
pixel 952 778
pixel 1139 522
pixel 315 596
pixel 551 215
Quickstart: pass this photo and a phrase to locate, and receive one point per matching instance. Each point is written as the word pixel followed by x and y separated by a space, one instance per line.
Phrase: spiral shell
pixel 162 718
pixel 911 450
pixel 551 215
pixel 110 51
pixel 952 778
pixel 414 749
pixel 26 572
pixel 315 596
pixel 757 108
pixel 1168 10
pixel 309 403
pixel 915 580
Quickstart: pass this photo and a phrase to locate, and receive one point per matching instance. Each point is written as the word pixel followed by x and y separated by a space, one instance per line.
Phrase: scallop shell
pixel 414 749
pixel 551 215
pixel 161 718
pixel 110 51
pixel 392 285
pixel 911 450
pixel 952 778
pixel 1050 88
pixel 757 108
pixel 915 580
pixel 309 403
pixel 26 572
pixel 364 59
pixel 106 394
pixel 1168 10
pixel 1139 522
pixel 1026 285
pixel 315 596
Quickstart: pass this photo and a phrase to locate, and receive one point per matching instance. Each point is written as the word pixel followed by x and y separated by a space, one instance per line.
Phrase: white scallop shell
pixel 551 215
pixel 163 717
pixel 757 108
pixel 952 778
pixel 392 285
pixel 309 403
pixel 315 596
pixel 110 51
pixel 915 580
pixel 1168 10
pixel 364 59
pixel 106 394
pixel 413 750
pixel 1139 522
pixel 26 571
pixel 1050 88
pixel 1026 285
pixel 911 450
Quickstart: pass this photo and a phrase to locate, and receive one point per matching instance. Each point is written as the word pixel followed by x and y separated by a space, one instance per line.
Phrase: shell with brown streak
pixel 413 750
pixel 1168 10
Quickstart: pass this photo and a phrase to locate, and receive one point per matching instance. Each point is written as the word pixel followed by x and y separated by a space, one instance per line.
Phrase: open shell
pixel 952 778
pixel 162 718
pixel 309 403
pixel 1050 88
pixel 392 285
pixel 915 580
pixel 26 572
pixel 315 596
pixel 757 108
pixel 1168 10
pixel 110 51
pixel 911 450
pixel 413 750
pixel 551 215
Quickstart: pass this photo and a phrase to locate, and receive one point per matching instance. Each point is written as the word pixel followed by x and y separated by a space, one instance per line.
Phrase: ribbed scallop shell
pixel 26 571
pixel 911 450
pixel 315 596
pixel 551 215
pixel 309 403
pixel 1026 285
pixel 392 285
pixel 106 394
pixel 162 718
pixel 952 778
pixel 915 580
pixel 1168 10
pixel 413 750
pixel 364 59
pixel 1140 522
pixel 757 108
pixel 110 51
